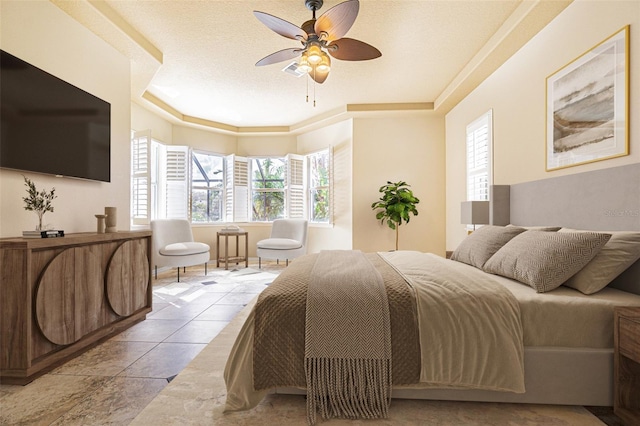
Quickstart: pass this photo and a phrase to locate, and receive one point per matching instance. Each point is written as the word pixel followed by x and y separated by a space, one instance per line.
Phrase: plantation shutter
pixel 141 178
pixel 176 182
pixel 237 189
pixel 295 193
pixel 479 140
pixel 330 149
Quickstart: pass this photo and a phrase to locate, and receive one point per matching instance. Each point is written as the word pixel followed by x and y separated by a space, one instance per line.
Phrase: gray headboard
pixel 601 200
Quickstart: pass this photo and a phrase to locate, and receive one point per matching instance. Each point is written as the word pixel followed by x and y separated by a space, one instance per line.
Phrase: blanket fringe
pixel 348 388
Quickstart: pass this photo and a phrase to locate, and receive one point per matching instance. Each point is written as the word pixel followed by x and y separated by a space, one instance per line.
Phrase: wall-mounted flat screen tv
pixel 50 126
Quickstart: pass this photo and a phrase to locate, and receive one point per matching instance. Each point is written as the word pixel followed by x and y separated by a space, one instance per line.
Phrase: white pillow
pixel 620 252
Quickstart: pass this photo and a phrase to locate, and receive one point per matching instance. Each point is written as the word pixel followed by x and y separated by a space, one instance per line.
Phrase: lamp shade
pixel 314 54
pixel 325 64
pixel 474 213
pixel 303 65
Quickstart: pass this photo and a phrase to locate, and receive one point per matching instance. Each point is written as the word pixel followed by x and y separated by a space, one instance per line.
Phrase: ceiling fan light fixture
pixel 325 64
pixel 314 54
pixel 303 65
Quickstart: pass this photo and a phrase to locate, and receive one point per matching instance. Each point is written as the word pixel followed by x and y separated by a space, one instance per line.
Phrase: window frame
pixel 252 188
pixel 474 136
pixel 220 190
pixel 328 187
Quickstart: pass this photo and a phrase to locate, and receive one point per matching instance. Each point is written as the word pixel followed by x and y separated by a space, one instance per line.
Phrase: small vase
pixel 112 218
pixel 39 227
pixel 101 223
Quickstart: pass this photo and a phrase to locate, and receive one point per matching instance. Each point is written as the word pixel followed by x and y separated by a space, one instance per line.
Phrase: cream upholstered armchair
pixel 288 240
pixel 173 245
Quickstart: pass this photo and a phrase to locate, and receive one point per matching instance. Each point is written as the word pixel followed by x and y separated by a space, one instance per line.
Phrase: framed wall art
pixel 588 106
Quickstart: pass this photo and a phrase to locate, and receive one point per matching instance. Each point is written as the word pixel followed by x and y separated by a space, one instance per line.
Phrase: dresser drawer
pixel 629 339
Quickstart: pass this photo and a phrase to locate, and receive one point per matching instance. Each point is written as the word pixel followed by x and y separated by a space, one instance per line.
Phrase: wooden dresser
pixel 61 296
pixel 626 402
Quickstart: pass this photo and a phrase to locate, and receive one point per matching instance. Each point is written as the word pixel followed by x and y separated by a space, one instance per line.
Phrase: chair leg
pixel 205 269
pixel 259 263
pixel 287 264
pixel 156 272
pixel 178 273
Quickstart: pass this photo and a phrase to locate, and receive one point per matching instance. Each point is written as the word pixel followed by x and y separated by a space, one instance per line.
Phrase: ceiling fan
pixel 319 38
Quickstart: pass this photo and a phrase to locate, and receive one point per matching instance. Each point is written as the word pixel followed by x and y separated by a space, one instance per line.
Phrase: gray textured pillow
pixel 483 243
pixel 540 228
pixel 545 260
pixel 620 252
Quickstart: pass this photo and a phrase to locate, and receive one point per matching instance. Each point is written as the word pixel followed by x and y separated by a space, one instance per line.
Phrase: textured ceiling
pixel 196 59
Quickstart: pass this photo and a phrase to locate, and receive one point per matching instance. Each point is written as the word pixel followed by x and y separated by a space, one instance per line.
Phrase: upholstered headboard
pixel 601 200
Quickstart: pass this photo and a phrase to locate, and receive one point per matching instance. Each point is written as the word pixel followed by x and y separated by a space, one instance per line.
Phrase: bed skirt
pixel 553 375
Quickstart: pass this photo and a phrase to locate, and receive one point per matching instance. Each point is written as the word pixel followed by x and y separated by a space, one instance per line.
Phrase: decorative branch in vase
pixel 39 202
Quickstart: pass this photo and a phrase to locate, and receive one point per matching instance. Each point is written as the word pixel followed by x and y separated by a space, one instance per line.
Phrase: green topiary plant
pixel 39 202
pixel 395 205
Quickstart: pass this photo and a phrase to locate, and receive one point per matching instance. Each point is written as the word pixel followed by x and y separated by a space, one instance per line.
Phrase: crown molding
pixel 329 117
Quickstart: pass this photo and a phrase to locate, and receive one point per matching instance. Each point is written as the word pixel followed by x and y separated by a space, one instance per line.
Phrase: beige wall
pixel 216 143
pixel 142 119
pixel 258 145
pixel 339 236
pixel 409 148
pixel 516 93
pixel 45 36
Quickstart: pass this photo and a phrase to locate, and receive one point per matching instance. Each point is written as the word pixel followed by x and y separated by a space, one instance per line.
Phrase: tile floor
pixel 113 382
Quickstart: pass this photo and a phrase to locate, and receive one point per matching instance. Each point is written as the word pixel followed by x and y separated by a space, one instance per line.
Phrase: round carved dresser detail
pixel 69 296
pixel 128 278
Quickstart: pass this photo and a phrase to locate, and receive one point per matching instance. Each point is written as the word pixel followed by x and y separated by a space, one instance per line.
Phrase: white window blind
pixel 479 142
pixel 175 188
pixel 141 178
pixel 236 189
pixel 295 193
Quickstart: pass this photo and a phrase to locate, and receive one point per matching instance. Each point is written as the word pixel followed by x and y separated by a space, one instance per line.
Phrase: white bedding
pixel 567 318
pixel 470 328
pixel 563 318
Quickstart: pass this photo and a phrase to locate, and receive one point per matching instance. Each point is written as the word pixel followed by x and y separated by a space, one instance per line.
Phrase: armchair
pixel 173 245
pixel 288 240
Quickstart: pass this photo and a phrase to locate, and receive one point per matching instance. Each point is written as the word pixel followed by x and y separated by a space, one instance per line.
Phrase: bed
pixel 565 339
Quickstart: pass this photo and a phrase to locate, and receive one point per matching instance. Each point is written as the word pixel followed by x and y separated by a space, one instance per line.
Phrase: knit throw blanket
pixel 347 339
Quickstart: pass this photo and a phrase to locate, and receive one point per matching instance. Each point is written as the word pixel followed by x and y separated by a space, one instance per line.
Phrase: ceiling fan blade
pixel 279 56
pixel 335 22
pixel 280 26
pixel 319 77
pixel 349 49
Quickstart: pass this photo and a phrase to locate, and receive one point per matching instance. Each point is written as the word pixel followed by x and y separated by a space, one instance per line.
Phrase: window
pixel 140 178
pixel 207 188
pixel 267 189
pixel 295 204
pixel 171 181
pixel 479 142
pixel 318 166
pixel 237 189
pixel 159 180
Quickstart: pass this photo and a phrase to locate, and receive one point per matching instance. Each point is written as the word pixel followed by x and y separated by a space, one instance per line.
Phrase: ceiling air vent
pixel 292 69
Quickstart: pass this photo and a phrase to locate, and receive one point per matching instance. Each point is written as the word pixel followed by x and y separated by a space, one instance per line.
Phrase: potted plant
pixel 39 202
pixel 395 205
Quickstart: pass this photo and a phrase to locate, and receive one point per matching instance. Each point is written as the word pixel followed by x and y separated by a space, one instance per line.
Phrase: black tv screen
pixel 50 126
